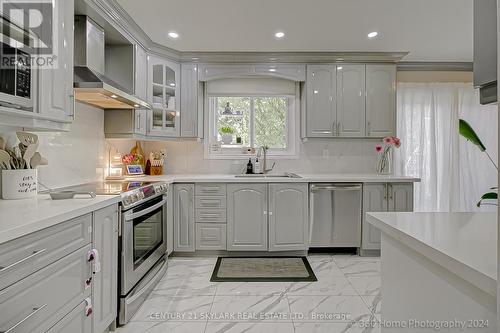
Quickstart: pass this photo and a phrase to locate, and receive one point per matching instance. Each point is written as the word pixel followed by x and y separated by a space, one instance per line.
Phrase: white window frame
pixel 293 130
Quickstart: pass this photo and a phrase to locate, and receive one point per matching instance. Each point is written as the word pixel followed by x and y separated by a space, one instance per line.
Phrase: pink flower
pixel 388 140
pixel 378 148
pixel 397 142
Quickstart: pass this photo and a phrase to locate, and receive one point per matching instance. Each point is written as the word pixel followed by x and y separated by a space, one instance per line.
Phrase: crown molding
pixel 435 66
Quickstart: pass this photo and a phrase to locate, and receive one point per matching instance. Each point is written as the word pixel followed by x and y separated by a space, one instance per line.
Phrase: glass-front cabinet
pixel 164 92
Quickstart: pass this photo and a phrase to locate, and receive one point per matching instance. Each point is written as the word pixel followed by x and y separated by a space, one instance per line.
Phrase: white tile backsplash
pixel 316 156
pixel 75 157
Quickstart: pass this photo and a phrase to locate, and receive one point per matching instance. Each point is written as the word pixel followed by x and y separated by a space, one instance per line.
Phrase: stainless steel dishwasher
pixel 336 215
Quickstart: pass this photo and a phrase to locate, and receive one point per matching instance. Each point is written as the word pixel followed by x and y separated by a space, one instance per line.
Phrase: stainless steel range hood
pixel 90 83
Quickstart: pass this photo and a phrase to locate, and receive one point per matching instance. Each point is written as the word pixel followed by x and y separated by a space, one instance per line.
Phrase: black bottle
pixel 249 167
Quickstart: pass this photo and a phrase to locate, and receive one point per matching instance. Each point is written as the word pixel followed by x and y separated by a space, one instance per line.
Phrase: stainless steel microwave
pixel 16 73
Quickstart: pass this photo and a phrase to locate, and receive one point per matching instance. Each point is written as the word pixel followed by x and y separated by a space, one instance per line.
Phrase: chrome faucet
pixel 263 150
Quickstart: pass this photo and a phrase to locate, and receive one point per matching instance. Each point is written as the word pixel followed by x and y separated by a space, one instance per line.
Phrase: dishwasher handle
pixel 339 187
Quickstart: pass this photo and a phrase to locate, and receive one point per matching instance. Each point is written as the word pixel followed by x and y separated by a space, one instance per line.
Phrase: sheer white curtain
pixel 454 172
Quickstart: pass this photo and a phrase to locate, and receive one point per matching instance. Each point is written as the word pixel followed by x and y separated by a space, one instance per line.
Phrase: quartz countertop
pixel 463 243
pixel 305 178
pixel 24 216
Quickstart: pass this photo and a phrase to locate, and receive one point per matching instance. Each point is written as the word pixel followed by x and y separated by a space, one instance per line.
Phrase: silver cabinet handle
pixel 386 188
pixel 369 128
pixel 138 121
pixel 34 312
pixel 73 106
pixel 390 191
pixel 31 256
pixel 333 127
pixel 338 128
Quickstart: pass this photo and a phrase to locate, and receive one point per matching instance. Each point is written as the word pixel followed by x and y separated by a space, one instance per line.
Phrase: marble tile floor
pixel 346 298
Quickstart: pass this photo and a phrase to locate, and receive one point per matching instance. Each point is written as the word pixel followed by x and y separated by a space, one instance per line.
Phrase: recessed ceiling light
pixel 114 96
pixel 339 68
pixel 136 105
pixel 272 69
pixel 279 34
pixel 373 34
pixel 173 34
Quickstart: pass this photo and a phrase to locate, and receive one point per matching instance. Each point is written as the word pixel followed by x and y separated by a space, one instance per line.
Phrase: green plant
pixel 467 132
pixel 226 130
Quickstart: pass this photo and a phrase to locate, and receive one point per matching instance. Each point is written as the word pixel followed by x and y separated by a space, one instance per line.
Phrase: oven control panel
pixel 140 194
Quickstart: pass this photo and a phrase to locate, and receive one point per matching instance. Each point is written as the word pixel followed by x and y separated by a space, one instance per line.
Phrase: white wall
pixel 75 157
pixel 316 156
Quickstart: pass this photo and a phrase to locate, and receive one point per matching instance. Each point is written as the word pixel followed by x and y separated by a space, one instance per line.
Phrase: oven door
pixel 143 241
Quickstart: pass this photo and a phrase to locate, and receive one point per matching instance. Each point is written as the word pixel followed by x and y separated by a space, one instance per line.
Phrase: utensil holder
pixel 156 170
pixel 19 184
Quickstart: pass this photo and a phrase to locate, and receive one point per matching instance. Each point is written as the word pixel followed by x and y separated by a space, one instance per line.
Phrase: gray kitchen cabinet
pixel 163 94
pixel 125 123
pixel 321 107
pixel 351 100
pixel 74 322
pixel 189 101
pixel 105 280
pixel 170 219
pixel 380 100
pixel 39 301
pixel 247 227
pixel 56 98
pixel 141 72
pixel 184 219
pixel 210 236
pixel 383 197
pixel 288 216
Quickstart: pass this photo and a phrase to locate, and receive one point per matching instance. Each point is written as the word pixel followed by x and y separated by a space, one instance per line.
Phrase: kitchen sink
pixel 282 175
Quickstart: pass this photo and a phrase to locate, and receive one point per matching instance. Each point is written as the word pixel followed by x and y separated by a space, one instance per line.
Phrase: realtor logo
pixel 28 26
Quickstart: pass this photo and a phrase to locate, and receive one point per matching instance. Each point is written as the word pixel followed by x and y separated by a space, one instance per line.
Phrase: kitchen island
pixel 438 270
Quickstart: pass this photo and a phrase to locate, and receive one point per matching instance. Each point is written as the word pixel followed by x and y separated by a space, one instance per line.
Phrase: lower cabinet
pixel 104 281
pixel 170 220
pixel 210 236
pixel 76 321
pixel 383 197
pixel 288 217
pixel 247 217
pixel 184 231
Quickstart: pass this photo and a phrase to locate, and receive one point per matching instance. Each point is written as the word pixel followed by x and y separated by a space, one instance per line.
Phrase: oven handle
pixel 130 216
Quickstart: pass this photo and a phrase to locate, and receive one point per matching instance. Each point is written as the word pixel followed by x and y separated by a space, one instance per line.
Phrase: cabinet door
pixel 189 100
pixel 164 91
pixel 56 98
pixel 105 282
pixel 75 322
pixel 247 217
pixel 141 72
pixel 184 218
pixel 351 100
pixel 140 121
pixel 374 200
pixel 288 217
pixel 380 100
pixel 320 105
pixel 210 236
pixel 400 197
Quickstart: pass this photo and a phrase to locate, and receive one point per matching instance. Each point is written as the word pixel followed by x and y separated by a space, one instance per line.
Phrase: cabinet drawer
pixel 37 302
pixel 26 255
pixel 210 189
pixel 210 216
pixel 75 322
pixel 210 202
pixel 210 236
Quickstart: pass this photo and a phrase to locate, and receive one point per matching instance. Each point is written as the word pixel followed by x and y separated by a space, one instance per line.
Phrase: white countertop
pixel 22 217
pixel 306 178
pixel 463 243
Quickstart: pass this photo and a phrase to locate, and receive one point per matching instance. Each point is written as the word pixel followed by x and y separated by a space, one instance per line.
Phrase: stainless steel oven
pixel 143 247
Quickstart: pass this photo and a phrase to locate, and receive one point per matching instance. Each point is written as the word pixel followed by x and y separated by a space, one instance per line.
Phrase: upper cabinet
pixel 321 108
pixel 189 101
pixel 141 73
pixel 164 93
pixel 293 72
pixel 380 100
pixel 350 100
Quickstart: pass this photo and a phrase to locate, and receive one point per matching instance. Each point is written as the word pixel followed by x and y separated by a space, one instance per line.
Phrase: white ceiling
pixel 431 30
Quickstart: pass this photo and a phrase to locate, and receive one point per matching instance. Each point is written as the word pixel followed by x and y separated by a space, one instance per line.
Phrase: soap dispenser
pixel 249 167
pixel 256 166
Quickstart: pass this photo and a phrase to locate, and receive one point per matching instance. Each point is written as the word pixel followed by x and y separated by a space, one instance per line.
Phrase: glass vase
pixel 384 162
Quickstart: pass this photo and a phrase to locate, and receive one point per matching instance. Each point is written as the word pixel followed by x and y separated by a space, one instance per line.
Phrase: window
pixel 250 116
